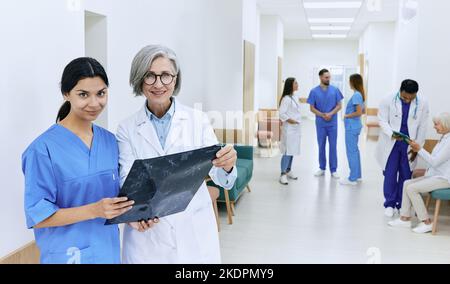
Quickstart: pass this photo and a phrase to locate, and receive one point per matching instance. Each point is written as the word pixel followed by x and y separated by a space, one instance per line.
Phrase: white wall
pixel 36 52
pixel 252 29
pixel 271 47
pixel 378 46
pixel 43 36
pixel 422 54
pixel 406 50
pixel 433 56
pixel 302 56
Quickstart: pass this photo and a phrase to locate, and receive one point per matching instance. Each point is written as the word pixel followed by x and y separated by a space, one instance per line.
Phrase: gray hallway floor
pixel 316 220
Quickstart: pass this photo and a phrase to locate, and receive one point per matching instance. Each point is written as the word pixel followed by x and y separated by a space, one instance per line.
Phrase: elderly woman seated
pixel 436 177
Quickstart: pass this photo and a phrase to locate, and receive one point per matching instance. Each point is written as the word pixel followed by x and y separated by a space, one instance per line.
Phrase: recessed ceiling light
pixel 332 5
pixel 330 28
pixel 331 20
pixel 329 36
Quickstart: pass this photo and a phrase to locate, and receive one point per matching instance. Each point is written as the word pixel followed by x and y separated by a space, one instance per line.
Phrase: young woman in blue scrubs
pixel 71 175
pixel 355 109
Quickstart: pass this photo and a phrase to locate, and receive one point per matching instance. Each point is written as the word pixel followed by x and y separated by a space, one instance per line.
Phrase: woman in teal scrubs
pixel 71 175
pixel 355 109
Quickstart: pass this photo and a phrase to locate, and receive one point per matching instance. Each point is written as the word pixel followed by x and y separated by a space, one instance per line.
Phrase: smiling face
pixel 159 93
pixel 88 98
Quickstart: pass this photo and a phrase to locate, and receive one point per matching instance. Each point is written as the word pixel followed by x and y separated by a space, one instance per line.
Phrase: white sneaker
pixel 292 176
pixel 284 180
pixel 400 223
pixel 389 212
pixel 423 228
pixel 335 175
pixel 359 180
pixel 347 182
pixel 319 173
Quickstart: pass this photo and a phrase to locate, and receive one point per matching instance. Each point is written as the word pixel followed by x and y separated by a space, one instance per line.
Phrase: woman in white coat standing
pixel 165 126
pixel 291 131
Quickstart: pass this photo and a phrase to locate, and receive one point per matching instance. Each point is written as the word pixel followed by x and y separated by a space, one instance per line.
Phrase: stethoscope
pixel 397 98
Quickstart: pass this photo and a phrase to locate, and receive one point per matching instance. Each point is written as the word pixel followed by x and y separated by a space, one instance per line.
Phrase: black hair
pixel 288 88
pixel 409 86
pixel 323 71
pixel 78 69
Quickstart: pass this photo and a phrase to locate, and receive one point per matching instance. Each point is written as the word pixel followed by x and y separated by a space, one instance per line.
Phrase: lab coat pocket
pixel 162 234
pixel 73 255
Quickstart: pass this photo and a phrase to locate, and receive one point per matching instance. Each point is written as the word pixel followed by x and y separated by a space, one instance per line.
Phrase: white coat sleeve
pixel 284 108
pixel 383 118
pixel 218 175
pixel 126 154
pixel 423 126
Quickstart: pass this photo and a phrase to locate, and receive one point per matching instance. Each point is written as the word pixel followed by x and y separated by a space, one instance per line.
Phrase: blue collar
pixel 167 116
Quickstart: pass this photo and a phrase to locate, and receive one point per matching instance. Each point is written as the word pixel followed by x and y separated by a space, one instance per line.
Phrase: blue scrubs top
pixel 404 127
pixel 325 101
pixel 62 172
pixel 354 122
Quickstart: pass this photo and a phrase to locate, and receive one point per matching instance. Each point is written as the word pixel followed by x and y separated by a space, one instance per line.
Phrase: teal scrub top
pixel 62 172
pixel 354 122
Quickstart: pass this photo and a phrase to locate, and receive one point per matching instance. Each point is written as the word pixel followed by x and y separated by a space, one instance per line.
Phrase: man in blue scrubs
pixel 325 102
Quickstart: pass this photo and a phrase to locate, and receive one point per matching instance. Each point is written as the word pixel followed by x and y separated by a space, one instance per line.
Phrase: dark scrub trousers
pixel 397 167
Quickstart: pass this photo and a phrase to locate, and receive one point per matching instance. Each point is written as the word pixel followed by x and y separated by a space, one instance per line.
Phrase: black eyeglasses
pixel 164 78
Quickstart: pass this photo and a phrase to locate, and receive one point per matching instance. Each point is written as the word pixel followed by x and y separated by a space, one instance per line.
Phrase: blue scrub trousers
pixel 396 172
pixel 330 132
pixel 286 163
pixel 353 155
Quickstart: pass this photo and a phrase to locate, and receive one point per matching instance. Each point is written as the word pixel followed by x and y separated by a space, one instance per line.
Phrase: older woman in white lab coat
pixel 165 126
pixel 436 177
pixel 291 131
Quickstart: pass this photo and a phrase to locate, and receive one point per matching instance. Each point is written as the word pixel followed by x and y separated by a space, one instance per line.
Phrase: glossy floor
pixel 316 220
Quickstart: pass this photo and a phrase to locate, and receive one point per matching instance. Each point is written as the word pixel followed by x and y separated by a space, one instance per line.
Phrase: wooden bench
pixel 371 121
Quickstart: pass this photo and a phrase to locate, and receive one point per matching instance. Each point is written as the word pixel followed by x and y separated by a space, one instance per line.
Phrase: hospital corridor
pixel 250 133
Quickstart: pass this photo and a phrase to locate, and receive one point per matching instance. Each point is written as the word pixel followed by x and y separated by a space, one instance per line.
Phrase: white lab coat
pixel 390 119
pixel 439 159
pixel 187 237
pixel 291 133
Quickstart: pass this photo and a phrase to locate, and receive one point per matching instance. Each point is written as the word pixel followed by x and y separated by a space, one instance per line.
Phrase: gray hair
pixel 443 119
pixel 144 59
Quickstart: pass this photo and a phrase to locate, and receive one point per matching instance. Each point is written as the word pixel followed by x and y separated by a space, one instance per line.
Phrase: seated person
pixel 436 177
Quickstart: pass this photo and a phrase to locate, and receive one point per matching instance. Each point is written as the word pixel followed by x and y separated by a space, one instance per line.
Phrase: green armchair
pixel 244 165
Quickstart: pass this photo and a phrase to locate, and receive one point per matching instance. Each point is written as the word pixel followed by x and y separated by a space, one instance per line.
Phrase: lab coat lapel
pixel 177 127
pixel 412 110
pixel 148 133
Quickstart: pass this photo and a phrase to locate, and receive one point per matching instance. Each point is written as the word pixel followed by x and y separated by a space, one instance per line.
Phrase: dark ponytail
pixel 63 111
pixel 78 69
